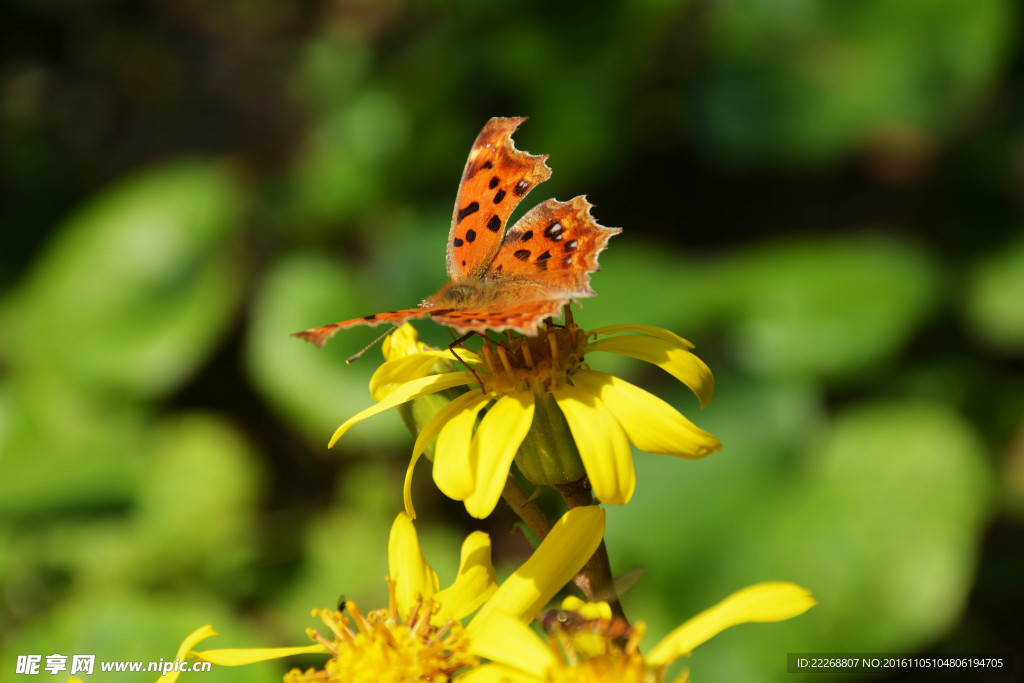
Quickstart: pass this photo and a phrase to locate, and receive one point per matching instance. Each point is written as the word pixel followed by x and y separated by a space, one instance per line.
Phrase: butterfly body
pixel 504 280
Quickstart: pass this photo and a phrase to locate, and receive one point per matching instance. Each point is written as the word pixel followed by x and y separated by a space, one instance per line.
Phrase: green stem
pixel 527 510
pixel 596 578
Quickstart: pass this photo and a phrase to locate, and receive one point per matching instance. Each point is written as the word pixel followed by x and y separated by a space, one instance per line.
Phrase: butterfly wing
pixel 504 281
pixel 496 178
pixel 552 251
pixel 522 316
pixel 320 335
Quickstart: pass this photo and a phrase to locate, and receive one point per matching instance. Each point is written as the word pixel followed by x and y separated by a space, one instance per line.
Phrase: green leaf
pixel 828 308
pixel 136 286
pixel 995 292
pixel 814 80
pixel 310 386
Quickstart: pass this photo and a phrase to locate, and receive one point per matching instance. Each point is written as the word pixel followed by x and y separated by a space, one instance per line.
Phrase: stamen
pixel 361 623
pixel 527 356
pixel 539 363
pixel 503 355
pixel 414 613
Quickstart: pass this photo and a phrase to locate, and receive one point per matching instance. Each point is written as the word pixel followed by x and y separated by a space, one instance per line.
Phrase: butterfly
pixel 504 280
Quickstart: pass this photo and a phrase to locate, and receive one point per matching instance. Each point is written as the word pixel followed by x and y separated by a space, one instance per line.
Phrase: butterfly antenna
pixel 353 358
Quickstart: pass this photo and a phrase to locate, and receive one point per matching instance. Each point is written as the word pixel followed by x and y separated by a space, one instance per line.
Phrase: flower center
pixel 593 653
pixel 538 363
pixel 611 668
pixel 381 647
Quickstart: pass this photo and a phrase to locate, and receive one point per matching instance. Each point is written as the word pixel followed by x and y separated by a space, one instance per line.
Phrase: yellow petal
pixel 191 640
pixel 649 330
pixel 562 553
pixel 404 341
pixel 428 434
pixel 602 444
pixel 452 472
pixel 394 373
pixel 507 640
pixel 407 567
pixel 497 673
pixel 494 445
pixel 474 583
pixel 406 392
pixel 242 656
pixel 671 357
pixel 589 610
pixel 651 424
pixel 762 602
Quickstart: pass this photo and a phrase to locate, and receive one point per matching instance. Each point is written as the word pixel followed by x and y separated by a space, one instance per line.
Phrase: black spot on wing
pixel 542 261
pixel 498 196
pixel 467 210
pixel 494 225
pixel 554 231
pixel 522 254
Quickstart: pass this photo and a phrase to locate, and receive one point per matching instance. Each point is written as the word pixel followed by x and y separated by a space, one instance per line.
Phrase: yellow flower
pixel 541 382
pixel 419 636
pixel 518 655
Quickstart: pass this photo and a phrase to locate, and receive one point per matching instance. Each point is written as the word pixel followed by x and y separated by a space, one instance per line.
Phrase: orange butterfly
pixel 504 280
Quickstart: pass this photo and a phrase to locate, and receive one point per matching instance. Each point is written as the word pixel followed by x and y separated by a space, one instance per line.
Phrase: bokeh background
pixel 826 197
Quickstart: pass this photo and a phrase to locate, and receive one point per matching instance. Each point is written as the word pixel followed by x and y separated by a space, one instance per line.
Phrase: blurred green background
pixel 826 197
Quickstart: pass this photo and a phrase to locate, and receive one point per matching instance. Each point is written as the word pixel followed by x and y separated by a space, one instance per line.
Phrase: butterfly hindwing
pixel 555 245
pixel 521 317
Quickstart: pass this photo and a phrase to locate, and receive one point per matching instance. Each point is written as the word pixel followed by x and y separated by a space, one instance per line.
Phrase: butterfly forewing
pixel 496 178
pixel 320 335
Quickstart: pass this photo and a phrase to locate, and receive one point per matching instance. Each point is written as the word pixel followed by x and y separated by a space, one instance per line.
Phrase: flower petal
pixel 651 424
pixel 452 472
pixel 672 357
pixel 649 330
pixel 762 602
pixel 406 392
pixel 429 432
pixel 562 553
pixel 602 444
pixel 407 567
pixel 191 640
pixel 504 639
pixel 588 610
pixel 474 583
pixel 497 673
pixel 242 656
pixel 394 373
pixel 494 445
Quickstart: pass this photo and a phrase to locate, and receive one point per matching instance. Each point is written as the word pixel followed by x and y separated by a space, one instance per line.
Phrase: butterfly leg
pixel 458 341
